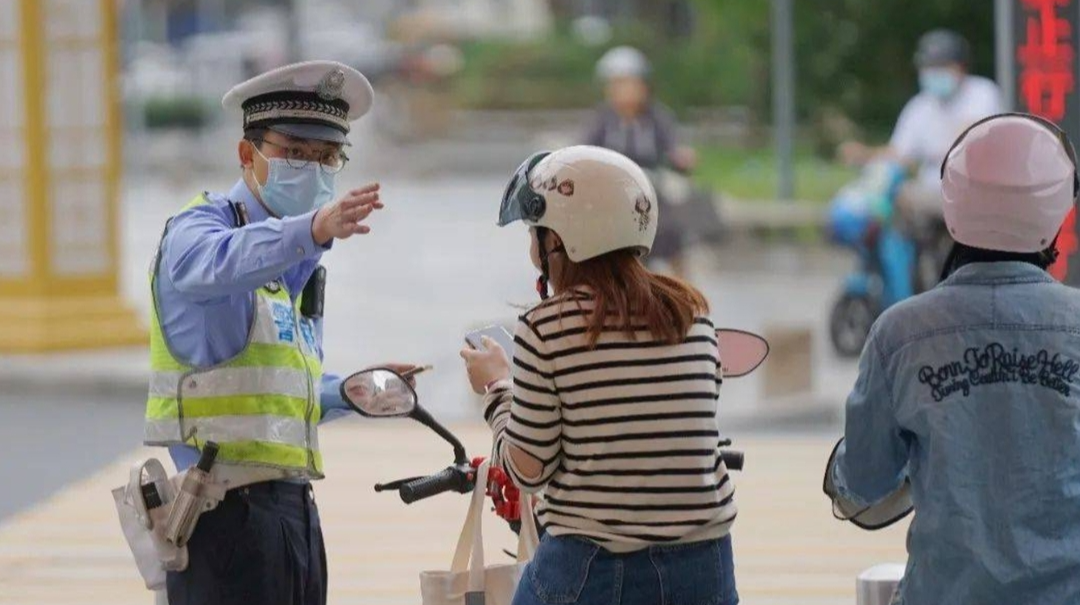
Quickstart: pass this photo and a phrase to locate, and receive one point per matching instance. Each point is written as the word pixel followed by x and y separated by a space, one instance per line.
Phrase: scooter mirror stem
pixel 422 416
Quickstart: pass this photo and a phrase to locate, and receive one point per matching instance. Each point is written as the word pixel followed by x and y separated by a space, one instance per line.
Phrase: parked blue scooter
pixel 860 217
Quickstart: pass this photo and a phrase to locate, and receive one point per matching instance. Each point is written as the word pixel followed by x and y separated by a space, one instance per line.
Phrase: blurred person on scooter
pixel 950 99
pixel 967 404
pixel 610 403
pixel 636 125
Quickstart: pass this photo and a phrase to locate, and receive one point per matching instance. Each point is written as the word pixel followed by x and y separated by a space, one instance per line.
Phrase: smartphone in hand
pixel 496 333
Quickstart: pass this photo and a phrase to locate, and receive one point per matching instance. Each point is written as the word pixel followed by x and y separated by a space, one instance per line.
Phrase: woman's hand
pixel 487 366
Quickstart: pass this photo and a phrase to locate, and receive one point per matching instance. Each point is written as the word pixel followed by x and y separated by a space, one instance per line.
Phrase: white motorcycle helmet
pixel 622 62
pixel 595 199
pixel 1008 183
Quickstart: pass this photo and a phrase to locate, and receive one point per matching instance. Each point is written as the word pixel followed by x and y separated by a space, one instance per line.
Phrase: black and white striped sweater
pixel 627 431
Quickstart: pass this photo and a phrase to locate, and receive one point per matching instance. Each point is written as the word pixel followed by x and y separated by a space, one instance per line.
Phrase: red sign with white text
pixel 1045 55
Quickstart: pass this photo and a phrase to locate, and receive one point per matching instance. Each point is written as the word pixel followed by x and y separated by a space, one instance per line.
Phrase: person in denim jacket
pixel 968 396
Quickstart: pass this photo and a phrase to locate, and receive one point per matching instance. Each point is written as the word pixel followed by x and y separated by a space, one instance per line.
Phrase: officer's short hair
pixel 255 135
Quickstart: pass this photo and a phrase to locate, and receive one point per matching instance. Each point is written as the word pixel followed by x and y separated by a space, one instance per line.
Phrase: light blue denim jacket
pixel 973 391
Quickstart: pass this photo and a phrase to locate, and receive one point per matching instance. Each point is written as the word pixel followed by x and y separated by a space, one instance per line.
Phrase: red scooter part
pixel 503 493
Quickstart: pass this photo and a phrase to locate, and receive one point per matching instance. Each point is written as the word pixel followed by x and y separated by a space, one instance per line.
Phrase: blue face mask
pixel 942 83
pixel 292 191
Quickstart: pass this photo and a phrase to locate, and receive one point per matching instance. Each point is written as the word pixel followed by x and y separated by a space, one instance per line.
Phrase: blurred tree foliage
pixel 854 57
pixel 175 112
pixel 557 72
pixel 552 73
pixel 853 61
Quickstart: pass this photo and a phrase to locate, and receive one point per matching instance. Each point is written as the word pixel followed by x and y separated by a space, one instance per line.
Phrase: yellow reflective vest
pixel 261 407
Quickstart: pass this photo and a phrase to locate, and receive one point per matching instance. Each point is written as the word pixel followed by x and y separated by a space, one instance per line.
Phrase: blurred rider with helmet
pixel 949 100
pixel 636 125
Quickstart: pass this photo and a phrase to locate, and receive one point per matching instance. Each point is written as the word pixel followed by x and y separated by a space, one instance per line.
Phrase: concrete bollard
pixel 789 369
pixel 877 585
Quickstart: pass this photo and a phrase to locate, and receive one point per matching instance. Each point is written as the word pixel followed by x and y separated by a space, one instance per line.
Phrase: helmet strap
pixel 545 270
pixel 542 281
pixel 950 265
pixel 1050 255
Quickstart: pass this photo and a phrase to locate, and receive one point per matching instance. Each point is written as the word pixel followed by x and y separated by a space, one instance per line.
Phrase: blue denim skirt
pixel 574 570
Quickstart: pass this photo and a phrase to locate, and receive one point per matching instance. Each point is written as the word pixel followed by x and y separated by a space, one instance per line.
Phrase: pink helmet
pixel 1008 183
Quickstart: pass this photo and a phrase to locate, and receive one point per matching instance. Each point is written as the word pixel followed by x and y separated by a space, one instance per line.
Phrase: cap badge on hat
pixel 331 85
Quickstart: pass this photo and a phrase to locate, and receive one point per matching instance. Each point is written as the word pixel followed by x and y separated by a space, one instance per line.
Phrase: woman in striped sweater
pixel 610 405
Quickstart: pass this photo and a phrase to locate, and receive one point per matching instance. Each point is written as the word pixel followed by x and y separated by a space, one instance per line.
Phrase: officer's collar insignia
pixel 331 85
pixel 273 287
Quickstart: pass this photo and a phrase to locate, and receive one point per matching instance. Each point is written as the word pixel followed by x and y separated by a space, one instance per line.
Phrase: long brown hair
pixel 624 289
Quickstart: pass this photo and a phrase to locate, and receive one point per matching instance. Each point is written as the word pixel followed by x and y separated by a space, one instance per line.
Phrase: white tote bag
pixel 469 581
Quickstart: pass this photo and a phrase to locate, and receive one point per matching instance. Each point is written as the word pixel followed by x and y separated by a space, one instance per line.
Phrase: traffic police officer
pixel 236 336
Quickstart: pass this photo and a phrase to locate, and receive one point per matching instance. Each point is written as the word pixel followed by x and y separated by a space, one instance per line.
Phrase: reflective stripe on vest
pixel 261 406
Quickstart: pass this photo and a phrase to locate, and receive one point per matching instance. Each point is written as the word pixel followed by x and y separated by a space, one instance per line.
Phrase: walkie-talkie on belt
pixel 191 501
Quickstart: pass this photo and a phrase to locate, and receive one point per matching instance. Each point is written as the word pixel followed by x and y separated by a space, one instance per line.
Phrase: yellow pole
pixel 65 293
pixel 33 53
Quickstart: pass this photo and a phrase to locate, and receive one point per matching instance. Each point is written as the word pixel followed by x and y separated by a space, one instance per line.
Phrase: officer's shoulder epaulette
pixel 236 211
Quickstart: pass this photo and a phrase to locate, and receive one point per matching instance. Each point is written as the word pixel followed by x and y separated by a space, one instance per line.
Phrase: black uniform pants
pixel 263 544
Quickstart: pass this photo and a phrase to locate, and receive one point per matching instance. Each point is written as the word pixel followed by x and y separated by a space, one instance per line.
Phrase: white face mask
pixel 292 191
pixel 940 82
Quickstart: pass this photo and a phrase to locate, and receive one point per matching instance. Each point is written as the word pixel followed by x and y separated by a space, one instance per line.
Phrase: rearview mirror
pixel 379 393
pixel 740 352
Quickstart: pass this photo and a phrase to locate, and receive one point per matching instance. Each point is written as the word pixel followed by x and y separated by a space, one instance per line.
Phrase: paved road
pixel 52 439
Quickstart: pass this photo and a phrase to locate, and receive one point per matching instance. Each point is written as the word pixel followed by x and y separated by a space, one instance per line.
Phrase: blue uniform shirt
pixel 209 268
pixel 972 390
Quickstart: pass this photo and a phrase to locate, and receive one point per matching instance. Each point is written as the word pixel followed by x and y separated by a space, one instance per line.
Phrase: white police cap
pixel 309 100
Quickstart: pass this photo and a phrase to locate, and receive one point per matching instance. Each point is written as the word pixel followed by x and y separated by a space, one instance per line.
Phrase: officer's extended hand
pixel 341 220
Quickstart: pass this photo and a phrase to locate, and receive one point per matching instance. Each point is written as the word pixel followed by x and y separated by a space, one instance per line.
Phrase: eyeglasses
pixel 330 161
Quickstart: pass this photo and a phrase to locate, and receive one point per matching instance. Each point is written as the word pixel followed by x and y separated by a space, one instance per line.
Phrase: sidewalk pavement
pixel 788 548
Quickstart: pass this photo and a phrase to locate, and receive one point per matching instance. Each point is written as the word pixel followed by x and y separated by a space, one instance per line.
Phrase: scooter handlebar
pixel 732 460
pixel 460 479
pixel 448 479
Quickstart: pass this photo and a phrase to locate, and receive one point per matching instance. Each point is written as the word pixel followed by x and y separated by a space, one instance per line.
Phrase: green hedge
pixel 752 174
pixel 506 75
pixel 175 112
pixel 853 59
pixel 559 72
